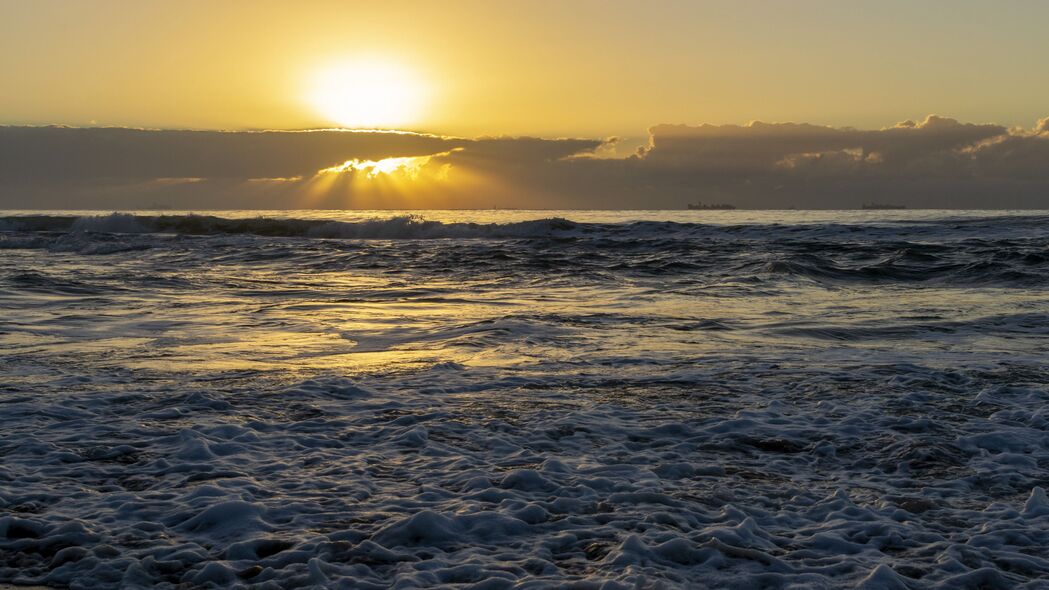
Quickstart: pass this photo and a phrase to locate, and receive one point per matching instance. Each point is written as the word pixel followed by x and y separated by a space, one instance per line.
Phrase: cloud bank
pixel 936 162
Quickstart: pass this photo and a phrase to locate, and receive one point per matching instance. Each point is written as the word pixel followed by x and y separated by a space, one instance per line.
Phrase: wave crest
pixel 400 227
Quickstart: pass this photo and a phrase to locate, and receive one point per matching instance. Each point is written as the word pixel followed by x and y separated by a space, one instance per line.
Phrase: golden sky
pixel 564 68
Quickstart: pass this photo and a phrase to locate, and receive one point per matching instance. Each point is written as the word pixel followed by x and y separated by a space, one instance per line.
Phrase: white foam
pixel 224 409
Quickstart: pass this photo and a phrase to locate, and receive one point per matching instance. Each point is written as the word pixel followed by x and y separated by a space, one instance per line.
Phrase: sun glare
pixel 368 93
pixel 407 167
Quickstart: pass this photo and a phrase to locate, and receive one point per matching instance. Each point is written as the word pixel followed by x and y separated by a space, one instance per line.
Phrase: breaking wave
pixel 416 227
pixel 402 227
pixel 982 251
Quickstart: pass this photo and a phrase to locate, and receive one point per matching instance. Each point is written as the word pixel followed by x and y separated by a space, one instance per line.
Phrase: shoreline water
pixel 821 401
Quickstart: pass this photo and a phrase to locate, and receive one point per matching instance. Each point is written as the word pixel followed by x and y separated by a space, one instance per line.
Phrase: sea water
pixel 524 399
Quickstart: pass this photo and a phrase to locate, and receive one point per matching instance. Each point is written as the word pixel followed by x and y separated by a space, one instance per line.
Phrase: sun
pixel 368 93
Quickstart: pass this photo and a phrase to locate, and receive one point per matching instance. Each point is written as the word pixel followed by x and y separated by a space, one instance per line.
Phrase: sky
pixel 549 68
pixel 735 74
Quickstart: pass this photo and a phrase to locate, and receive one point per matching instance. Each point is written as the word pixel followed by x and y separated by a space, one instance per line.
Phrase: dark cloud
pixel 66 167
pixel 936 162
pixel 760 146
pixel 81 154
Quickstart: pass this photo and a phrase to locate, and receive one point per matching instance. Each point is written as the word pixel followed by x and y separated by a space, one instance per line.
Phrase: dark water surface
pixel 525 399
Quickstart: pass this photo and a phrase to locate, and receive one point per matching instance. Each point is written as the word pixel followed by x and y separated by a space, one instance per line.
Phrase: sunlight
pixel 407 181
pixel 406 167
pixel 368 93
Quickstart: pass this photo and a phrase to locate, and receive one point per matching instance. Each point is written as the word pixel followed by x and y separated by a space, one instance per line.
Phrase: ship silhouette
pixel 711 207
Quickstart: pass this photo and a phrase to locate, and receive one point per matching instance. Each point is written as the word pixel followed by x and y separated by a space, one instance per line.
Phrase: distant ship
pixel 711 207
pixel 879 206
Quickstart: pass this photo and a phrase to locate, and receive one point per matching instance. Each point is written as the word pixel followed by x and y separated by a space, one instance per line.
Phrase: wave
pixel 989 252
pixel 401 227
pixel 415 227
pixel 909 328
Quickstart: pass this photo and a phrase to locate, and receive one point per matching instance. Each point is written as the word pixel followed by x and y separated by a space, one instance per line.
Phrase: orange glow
pixel 368 93
pixel 405 168
pixel 401 182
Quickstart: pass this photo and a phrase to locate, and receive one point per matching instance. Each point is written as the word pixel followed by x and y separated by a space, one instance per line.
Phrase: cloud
pixel 73 154
pixel 934 162
pixel 760 145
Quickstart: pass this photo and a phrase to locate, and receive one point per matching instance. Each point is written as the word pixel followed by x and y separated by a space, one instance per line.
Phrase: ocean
pixel 525 399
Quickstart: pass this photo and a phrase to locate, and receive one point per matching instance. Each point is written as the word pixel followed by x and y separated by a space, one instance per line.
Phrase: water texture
pixel 515 399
